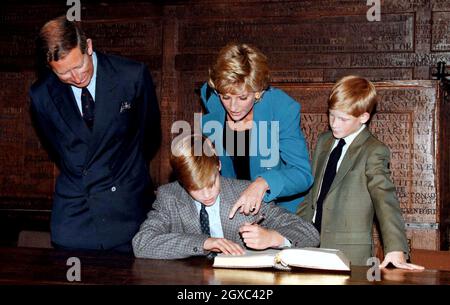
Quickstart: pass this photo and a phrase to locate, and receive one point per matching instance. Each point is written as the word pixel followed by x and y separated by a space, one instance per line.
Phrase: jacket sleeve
pixel 157 239
pixel 44 129
pixel 306 208
pixel 150 119
pixel 298 231
pixel 294 176
pixel 384 199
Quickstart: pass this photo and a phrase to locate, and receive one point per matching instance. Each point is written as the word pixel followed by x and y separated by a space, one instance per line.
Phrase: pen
pixel 259 219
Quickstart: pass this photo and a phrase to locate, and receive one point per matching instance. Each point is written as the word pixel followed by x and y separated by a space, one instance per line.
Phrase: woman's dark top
pixel 237 145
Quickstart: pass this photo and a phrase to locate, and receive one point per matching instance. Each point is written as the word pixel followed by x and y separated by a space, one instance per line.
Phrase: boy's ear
pixel 220 165
pixel 363 118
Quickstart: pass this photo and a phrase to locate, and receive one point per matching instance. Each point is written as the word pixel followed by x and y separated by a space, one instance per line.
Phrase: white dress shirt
pixel 91 87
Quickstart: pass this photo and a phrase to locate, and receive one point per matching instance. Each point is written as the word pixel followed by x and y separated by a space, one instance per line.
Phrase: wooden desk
pixel 431 259
pixel 27 266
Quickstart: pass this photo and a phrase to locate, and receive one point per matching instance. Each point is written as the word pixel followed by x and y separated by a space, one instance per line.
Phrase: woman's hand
pixel 251 198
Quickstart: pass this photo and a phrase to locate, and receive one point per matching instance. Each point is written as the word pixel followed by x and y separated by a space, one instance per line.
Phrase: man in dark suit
pixel 94 112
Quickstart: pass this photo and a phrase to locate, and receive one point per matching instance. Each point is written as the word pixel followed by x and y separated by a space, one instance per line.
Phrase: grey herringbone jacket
pixel 172 229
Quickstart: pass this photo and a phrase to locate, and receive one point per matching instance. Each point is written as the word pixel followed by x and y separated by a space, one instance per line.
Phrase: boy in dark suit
pixel 190 216
pixel 352 181
pixel 92 112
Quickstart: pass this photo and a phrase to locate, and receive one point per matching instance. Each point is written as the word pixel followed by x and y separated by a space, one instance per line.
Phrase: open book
pixel 266 276
pixel 315 258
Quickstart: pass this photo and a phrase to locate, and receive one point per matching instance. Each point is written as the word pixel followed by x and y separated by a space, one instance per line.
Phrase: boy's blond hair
pixel 194 162
pixel 353 95
pixel 239 66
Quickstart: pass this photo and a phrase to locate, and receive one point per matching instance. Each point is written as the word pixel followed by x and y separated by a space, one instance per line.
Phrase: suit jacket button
pixel 85 172
pixel 195 249
pixel 113 189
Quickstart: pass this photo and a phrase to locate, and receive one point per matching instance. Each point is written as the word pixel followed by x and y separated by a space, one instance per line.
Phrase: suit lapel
pixel 225 207
pixel 64 100
pixel 322 159
pixel 107 104
pixel 261 117
pixel 349 157
pixel 228 198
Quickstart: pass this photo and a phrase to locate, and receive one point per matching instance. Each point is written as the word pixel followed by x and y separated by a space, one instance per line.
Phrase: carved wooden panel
pixel 26 170
pixel 327 34
pixel 441 26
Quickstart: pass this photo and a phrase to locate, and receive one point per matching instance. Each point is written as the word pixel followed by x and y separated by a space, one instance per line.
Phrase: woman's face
pixel 238 104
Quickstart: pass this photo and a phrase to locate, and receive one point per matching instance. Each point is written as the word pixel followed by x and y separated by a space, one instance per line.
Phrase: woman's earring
pixel 258 95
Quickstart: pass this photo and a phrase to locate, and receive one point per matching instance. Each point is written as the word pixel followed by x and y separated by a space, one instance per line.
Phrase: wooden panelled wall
pixel 307 42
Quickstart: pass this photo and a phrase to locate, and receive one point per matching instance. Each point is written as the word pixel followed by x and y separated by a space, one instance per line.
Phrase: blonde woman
pixel 260 138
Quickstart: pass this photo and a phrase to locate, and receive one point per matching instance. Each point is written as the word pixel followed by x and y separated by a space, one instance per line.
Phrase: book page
pixel 316 258
pixel 245 276
pixel 251 259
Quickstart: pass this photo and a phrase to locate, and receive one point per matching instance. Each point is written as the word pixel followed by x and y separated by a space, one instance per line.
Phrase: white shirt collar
pixel 350 138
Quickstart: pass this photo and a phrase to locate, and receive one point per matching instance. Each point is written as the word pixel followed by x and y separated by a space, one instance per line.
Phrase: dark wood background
pixel 307 42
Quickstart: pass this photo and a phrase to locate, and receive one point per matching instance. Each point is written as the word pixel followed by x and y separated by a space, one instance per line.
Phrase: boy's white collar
pixel 350 138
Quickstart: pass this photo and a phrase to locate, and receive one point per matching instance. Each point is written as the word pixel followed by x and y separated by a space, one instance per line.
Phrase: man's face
pixel 343 124
pixel 207 195
pixel 75 68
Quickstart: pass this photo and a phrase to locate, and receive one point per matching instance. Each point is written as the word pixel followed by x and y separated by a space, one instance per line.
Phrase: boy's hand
pixel 397 258
pixel 223 245
pixel 257 237
pixel 250 199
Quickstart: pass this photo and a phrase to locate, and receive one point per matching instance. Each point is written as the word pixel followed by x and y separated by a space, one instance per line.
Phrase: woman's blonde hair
pixel 353 95
pixel 239 65
pixel 194 162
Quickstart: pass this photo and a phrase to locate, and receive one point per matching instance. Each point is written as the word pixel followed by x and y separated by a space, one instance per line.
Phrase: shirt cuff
pixel 287 243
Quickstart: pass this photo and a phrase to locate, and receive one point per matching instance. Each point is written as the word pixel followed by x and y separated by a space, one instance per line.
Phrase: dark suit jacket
pixel 361 190
pixel 172 230
pixel 100 196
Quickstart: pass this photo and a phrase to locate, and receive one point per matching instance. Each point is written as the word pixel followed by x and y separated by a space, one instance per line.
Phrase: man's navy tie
pixel 328 177
pixel 88 107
